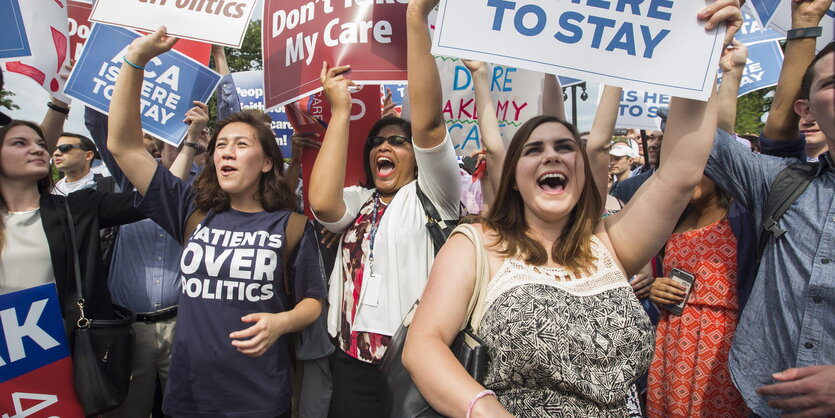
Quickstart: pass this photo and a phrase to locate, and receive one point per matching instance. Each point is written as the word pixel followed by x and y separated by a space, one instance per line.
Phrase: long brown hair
pixel 45 184
pixel 273 193
pixel 507 217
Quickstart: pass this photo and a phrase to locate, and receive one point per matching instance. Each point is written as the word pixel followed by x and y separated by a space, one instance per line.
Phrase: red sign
pixel 365 112
pixel 298 35
pixel 79 30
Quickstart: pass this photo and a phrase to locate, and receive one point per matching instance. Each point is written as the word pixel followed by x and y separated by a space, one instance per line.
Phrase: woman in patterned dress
pixel 689 375
pixel 565 334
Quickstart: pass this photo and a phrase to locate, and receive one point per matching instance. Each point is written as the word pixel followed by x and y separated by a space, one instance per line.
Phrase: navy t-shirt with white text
pixel 231 266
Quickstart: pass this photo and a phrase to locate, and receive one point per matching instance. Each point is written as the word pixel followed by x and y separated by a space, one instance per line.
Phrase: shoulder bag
pixel 101 354
pixel 403 397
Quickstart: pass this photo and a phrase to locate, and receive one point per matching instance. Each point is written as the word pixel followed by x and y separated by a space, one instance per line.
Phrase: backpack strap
pixel 293 233
pixel 789 184
pixel 439 229
pixel 191 224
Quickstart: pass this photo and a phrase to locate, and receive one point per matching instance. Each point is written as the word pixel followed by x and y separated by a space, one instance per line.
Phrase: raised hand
pixel 734 57
pixel 197 118
pixel 726 11
pixel 337 86
pixel 149 46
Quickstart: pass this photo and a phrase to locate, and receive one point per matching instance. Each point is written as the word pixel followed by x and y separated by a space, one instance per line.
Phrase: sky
pixel 32 100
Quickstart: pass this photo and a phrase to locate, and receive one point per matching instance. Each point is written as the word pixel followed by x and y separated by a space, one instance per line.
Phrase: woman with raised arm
pixel 565 334
pixel 242 294
pixel 386 251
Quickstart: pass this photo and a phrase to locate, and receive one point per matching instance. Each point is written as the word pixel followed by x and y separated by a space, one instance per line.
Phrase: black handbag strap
pixel 83 321
pixel 434 220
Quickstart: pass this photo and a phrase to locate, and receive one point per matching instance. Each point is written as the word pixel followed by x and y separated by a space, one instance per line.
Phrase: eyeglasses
pixel 65 148
pixel 395 140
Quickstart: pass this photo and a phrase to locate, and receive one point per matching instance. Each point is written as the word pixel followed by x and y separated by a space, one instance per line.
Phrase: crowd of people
pixel 628 273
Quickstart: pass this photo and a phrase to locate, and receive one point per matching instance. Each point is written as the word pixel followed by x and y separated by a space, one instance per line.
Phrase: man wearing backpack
pixel 783 358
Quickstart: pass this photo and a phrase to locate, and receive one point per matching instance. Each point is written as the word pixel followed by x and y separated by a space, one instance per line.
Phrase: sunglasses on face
pixel 395 140
pixel 65 148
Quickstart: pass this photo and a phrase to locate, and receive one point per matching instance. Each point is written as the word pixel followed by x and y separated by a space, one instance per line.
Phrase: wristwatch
pixel 59 109
pixel 798 33
pixel 192 145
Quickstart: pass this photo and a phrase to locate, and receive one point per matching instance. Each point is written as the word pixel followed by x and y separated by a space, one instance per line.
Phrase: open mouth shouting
pixel 385 167
pixel 552 182
pixel 227 170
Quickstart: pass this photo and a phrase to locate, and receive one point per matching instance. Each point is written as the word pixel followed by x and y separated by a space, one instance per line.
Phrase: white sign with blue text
pixel 639 109
pixel 656 45
pixel 172 82
pixel 782 22
pixel 752 32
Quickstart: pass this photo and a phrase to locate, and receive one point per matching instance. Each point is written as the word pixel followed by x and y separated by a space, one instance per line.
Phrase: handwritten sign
pixel 630 44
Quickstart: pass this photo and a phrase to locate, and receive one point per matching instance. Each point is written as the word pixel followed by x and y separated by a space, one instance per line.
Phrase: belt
pixel 156 316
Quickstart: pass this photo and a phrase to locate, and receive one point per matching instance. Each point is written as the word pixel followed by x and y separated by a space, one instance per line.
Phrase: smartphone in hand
pixel 685 279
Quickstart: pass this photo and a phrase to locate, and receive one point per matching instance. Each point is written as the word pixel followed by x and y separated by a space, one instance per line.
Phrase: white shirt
pixel 25 261
pixel 403 250
pixel 64 187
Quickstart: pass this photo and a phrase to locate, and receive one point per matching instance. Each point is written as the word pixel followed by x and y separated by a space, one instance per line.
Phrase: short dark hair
pixel 86 144
pixel 809 75
pixel 378 126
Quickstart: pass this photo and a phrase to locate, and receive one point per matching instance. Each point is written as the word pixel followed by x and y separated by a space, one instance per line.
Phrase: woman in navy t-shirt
pixel 230 355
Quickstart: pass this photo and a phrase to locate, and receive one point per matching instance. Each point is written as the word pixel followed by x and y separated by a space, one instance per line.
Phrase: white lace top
pixel 561 345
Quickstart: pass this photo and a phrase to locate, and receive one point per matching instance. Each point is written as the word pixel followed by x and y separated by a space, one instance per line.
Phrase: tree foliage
pixel 750 108
pixel 248 57
pixel 6 100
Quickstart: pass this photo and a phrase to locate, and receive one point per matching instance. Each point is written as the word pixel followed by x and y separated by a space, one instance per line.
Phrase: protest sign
pixel 298 35
pixel 752 32
pixel 35 365
pixel 639 110
pixel 635 45
pixel 398 94
pixel 516 95
pixel 365 112
pixel 250 88
pixel 782 22
pixel 79 20
pixel 46 29
pixel 13 40
pixel 762 68
pixel 172 82
pixel 765 10
pixel 215 22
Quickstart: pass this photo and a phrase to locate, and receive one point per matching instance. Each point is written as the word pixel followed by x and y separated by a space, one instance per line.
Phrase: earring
pixel 515 187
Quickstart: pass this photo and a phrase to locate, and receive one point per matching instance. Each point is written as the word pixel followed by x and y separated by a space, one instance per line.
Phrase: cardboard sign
pixel 639 110
pixel 172 82
pixel 13 40
pixel 635 45
pixel 762 70
pixel 516 97
pixel 298 35
pixel 782 22
pixel 365 112
pixel 79 31
pixel 250 87
pixel 752 32
pixel 35 365
pixel 46 29
pixel 214 21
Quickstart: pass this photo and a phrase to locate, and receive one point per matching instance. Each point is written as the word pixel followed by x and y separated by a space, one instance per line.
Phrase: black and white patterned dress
pixel 561 345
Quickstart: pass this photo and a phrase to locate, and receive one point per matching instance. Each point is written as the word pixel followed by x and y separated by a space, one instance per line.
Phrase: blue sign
pixel 398 92
pixel 13 40
pixel 752 32
pixel 172 82
pixel 32 329
pixel 250 88
pixel 762 70
pixel 765 9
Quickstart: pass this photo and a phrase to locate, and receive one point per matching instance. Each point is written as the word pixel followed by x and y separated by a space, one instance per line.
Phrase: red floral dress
pixel 365 346
pixel 689 374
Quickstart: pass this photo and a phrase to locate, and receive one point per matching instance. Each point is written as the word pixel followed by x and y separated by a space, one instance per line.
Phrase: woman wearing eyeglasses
pixel 385 252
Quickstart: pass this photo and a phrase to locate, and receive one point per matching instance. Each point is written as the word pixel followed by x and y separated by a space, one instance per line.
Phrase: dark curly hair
pixel 273 192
